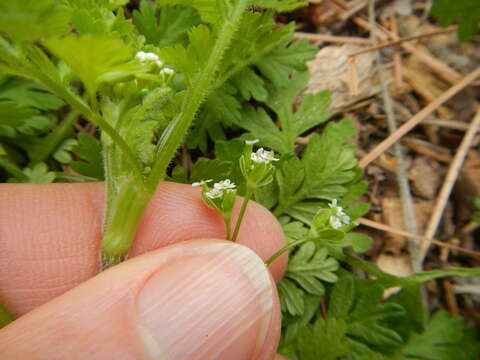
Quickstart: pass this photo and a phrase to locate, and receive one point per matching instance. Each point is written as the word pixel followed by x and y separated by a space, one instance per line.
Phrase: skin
pixel 183 294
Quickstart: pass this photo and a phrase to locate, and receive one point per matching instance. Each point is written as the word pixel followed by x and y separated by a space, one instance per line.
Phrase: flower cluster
pixel 149 57
pixel 263 156
pixel 338 218
pixel 220 188
pixel 257 165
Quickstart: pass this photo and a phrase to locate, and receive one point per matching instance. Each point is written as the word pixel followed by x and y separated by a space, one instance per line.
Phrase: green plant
pixel 221 78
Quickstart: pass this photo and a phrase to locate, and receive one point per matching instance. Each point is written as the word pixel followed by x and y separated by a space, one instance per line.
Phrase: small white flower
pixel 335 222
pixel 251 142
pixel 224 185
pixel 214 193
pixel 201 183
pixel 148 57
pixel 263 156
pixel 167 71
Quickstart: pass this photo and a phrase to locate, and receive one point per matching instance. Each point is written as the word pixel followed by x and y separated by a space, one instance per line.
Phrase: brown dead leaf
pixel 426 176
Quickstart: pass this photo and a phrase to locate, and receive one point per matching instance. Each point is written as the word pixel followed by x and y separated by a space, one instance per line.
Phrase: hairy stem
pixel 174 134
pixel 285 249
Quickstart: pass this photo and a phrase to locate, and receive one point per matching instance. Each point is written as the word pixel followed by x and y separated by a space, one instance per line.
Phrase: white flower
pixel 335 222
pixel 251 142
pixel 224 185
pixel 167 71
pixel 201 183
pixel 214 194
pixel 339 218
pixel 148 57
pixel 263 156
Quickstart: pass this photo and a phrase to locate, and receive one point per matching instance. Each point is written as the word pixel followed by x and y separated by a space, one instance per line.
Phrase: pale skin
pixel 183 293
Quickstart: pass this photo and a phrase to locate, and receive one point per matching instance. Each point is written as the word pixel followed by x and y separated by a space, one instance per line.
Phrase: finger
pixel 199 299
pixel 50 235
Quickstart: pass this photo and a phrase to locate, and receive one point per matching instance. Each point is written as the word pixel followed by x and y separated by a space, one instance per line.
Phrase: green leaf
pixel 358 241
pixel 288 56
pixel 467 12
pixel 30 20
pixel 28 93
pixel 291 297
pixel 211 11
pixel 324 340
pixel 39 174
pixel 215 169
pixel 95 59
pixel 250 85
pixel 308 267
pixel 312 111
pixel 169 29
pixel 444 338
pixel 20 120
pixel 89 150
pixel 62 153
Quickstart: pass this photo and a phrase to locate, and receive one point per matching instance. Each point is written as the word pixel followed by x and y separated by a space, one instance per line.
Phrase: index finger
pixel 50 235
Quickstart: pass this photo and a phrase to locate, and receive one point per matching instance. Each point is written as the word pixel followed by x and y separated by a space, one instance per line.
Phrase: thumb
pixel 201 299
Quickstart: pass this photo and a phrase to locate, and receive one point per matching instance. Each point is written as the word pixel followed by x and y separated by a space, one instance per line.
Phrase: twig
pixel 405 194
pixel 386 228
pixel 359 5
pixel 397 59
pixel 402 40
pixel 447 186
pixel 439 67
pixel 415 120
pixel 331 38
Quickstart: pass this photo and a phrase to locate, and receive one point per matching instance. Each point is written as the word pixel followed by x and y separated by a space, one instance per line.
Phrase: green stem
pixel 284 249
pixel 174 134
pixel 50 143
pixel 228 228
pixel 5 316
pixel 245 201
pixel 121 225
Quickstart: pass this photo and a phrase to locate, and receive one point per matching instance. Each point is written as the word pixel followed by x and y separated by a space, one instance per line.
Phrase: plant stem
pixel 127 209
pixel 5 316
pixel 245 201
pixel 175 132
pixel 228 228
pixel 284 249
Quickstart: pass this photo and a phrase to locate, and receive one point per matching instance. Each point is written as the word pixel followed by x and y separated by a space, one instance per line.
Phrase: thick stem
pixel 174 134
pixel 245 201
pixel 127 209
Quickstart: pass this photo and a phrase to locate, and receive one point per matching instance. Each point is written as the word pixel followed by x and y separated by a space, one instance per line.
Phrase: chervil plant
pixel 221 79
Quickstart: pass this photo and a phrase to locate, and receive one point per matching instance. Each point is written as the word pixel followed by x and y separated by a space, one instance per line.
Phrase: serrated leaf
pixel 211 11
pixel 89 150
pixel 20 120
pixel 39 174
pixel 63 152
pixel 308 267
pixel 358 241
pixel 250 85
pixel 28 93
pixel 444 338
pixel 312 111
pixel 324 340
pixel 30 20
pixel 170 28
pixel 279 64
pixel 291 297
pixel 95 59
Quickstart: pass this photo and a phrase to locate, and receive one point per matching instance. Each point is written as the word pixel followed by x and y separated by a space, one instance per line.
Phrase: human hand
pixel 196 299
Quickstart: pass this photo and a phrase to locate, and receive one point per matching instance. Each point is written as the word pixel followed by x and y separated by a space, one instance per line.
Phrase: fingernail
pixel 214 301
